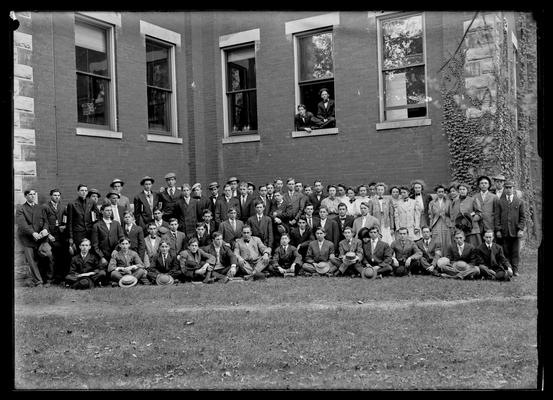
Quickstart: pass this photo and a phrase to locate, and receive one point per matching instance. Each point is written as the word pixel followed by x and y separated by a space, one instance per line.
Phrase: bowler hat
pixel 259 276
pixel 369 272
pixel 349 258
pixel 251 184
pixel 128 281
pixel 483 177
pixel 499 177
pixel 146 178
pixel 213 185
pixel 322 267
pixel 84 282
pixel 442 262
pixel 164 279
pixel 112 192
pixel 196 185
pixel 45 249
pixel 116 180
pixel 171 175
pixel 93 191
pixel 508 184
pixel 233 179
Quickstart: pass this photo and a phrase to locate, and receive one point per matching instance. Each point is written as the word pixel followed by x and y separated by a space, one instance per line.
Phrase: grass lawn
pixel 294 333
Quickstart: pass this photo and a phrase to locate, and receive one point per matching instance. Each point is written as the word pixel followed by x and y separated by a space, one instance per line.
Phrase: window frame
pixel 110 129
pixel 415 121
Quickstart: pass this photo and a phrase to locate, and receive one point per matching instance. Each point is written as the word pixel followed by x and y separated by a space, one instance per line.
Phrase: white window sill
pixel 403 124
pixel 315 132
pixel 104 133
pixel 241 139
pixel 164 139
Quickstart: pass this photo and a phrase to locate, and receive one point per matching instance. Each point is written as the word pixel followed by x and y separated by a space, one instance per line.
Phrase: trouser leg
pixel 32 259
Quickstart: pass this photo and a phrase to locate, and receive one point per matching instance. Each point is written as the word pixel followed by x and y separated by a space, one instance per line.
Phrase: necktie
pixel 259 218
pixel 164 258
pixel 373 245
pixel 172 192
pixel 364 220
pixel 309 222
pixel 233 223
pixel 426 243
pixel 460 251
pixel 174 235
pixel 149 197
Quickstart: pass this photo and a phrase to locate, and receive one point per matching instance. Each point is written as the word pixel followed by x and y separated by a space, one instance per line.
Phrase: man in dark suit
pixel 301 236
pixel 164 262
pixel 203 202
pixel 286 259
pixel 57 218
pixel 330 226
pixel 262 197
pixel 85 262
pixel 510 222
pixel 310 218
pixel 462 259
pixel 209 223
pixel 491 259
pixel 225 259
pixel 213 196
pixel 79 217
pixel 376 254
pixel 320 254
pixel 431 251
pixel 32 231
pixel 187 211
pixel 135 234
pixel 106 234
pixel 406 253
pixel 295 199
pixel 281 215
pixel 204 239
pixel 160 223
pixel 224 203
pixel 316 197
pixel 344 263
pixel 246 202
pixel 168 197
pixel 343 220
pixel 175 238
pixel 305 120
pixel 231 228
pixel 262 225
pixel 145 203
pixel 325 110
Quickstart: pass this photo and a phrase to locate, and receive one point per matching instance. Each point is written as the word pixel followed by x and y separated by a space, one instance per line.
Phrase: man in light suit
pixel 145 203
pixel 349 244
pixel 175 238
pixel 431 251
pixel 376 254
pixel 365 220
pixel 262 225
pixel 252 256
pixel 134 233
pixel 489 204
pixel 106 235
pixel 231 228
pixel 325 110
pixel 286 259
pixel 491 261
pixel 151 244
pixel 510 222
pixel 169 196
pixel 319 255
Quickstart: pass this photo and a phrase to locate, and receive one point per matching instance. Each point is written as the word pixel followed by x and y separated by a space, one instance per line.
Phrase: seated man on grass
pixel 286 259
pixel 431 251
pixel 346 264
pixel 406 253
pixel 124 262
pixel 225 261
pixel 377 254
pixel 320 254
pixel 164 262
pixel 85 264
pixel 252 256
pixel 491 261
pixel 460 259
pixel 194 262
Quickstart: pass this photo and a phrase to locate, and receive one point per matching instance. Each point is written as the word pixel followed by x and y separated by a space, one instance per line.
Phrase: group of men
pixel 178 234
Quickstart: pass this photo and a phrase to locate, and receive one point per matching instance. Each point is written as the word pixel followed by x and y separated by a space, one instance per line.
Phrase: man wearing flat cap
pixel 116 185
pixel 489 203
pixel 213 195
pixel 168 197
pixel 145 203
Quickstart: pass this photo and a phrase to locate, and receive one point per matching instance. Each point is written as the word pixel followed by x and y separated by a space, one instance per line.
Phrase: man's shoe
pixel 226 279
pixel 515 273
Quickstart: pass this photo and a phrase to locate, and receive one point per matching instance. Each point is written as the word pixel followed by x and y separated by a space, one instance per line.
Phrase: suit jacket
pixel 136 239
pixel 250 251
pixel 468 255
pixel 332 232
pixel 203 241
pixel 323 112
pixel 467 206
pixel 55 220
pixel 262 229
pixel 124 260
pixel 177 244
pixel 409 249
pixel 369 222
pixel 386 217
pixel 301 241
pixel 356 246
pixel 268 204
pixel 79 217
pixel 212 228
pixel 510 217
pixel 282 211
pixel 245 210
pixel 429 253
pixel 382 255
pixel 104 241
pixel 79 265
pixel 150 250
pixel 143 213
pixel 187 214
pixel 191 261
pixel 494 258
pixel 204 203
pixel 230 235
pixel 306 121
pixel 297 202
pixel 489 208
pixel 315 222
pixel 212 202
pixel 342 223
pixel 286 258
pixel 29 220
pixel 222 206
pixel 120 210
pixel 312 198
pixel 167 203
pixel 314 254
pixel 171 266
pixel 226 255
pixel 435 212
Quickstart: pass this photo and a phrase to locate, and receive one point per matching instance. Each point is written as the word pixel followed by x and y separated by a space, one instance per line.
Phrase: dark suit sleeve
pixel 474 258
pixel 388 254
pixel 21 222
pixel 94 239
pixel 497 216
pixel 522 216
pixel 92 265
pixel 141 244
pixel 270 232
pixel 69 211
pixel 121 233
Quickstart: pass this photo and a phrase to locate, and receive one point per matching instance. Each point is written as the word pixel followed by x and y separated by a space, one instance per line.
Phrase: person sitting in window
pixel 305 120
pixel 325 110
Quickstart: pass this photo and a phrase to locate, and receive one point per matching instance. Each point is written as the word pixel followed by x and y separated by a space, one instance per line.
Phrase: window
pixel 241 90
pixel 315 68
pixel 95 100
pixel 159 86
pixel 402 63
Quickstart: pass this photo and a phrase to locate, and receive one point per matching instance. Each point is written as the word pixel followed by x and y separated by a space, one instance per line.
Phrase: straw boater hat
pixel 442 262
pixel 116 180
pixel 322 267
pixel 369 272
pixel 164 279
pixel 196 185
pixel 349 258
pixel 128 281
pixel 213 185
pixel 146 178
pixel 233 179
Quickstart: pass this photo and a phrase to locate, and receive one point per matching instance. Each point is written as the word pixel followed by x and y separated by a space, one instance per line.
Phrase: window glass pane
pixel 158 109
pixel 402 42
pixel 92 100
pixel 309 94
pixel 241 74
pixel 91 61
pixel 315 54
pixel 243 111
pixel 405 87
pixel 157 65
